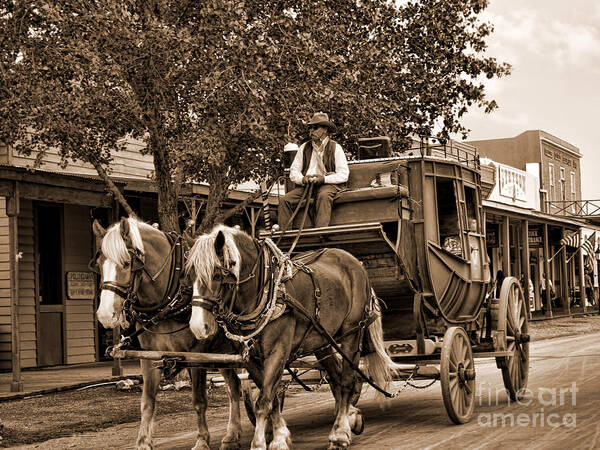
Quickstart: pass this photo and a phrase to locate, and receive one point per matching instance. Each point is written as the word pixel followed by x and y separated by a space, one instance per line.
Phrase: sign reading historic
pixel 81 285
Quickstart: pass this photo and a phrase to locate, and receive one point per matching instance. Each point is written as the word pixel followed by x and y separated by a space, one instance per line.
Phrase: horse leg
pixel 200 402
pixel 267 405
pixel 333 366
pixel 232 439
pixel 256 374
pixel 151 378
pixel 340 436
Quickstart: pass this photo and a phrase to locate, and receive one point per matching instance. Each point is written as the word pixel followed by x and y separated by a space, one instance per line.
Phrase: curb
pixel 70 387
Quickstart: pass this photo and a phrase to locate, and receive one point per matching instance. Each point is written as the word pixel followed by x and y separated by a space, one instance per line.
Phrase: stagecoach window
pixel 450 233
pixel 471 206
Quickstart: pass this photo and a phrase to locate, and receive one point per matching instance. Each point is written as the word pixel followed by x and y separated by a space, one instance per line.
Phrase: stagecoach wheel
pixel 457 375
pixel 511 320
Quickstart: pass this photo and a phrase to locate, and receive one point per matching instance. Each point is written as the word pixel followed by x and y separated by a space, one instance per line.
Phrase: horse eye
pixel 126 264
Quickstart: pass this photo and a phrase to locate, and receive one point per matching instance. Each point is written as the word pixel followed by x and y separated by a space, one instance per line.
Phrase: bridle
pixel 175 301
pixel 222 299
pixel 136 266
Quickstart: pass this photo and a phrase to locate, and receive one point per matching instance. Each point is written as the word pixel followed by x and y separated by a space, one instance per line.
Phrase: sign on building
pixel 513 183
pixel 534 237
pixel 81 285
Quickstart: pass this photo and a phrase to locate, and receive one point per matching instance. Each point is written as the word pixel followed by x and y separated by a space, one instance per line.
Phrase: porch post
pixel 525 262
pixel 12 211
pixel 547 270
pixel 582 295
pixel 565 281
pixel 506 246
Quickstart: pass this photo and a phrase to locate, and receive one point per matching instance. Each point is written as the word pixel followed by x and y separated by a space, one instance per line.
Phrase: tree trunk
pixel 168 192
pixel 216 194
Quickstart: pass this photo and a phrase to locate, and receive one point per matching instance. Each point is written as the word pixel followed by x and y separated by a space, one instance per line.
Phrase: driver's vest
pixel 328 156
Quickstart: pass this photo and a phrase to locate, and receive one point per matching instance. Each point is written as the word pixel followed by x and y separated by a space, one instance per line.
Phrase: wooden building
pixel 47 293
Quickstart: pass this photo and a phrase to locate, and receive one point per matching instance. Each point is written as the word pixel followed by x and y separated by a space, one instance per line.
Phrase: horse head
pixel 127 250
pixel 215 262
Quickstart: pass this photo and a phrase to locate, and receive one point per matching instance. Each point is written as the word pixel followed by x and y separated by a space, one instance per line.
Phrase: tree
pixel 216 88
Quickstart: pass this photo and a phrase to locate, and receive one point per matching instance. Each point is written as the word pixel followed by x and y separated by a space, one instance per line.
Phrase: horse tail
pixel 378 364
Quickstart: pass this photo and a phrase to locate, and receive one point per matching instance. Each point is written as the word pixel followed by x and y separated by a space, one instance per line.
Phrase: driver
pixel 320 161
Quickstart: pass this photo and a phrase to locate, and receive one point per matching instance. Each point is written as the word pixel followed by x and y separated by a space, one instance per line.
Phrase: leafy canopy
pixel 217 87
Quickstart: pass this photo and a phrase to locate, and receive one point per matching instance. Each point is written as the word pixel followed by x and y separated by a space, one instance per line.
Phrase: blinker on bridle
pixel 136 265
pixel 227 279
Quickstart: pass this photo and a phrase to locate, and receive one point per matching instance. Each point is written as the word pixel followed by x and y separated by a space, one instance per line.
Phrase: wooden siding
pixel 79 332
pixel 129 163
pixel 27 303
pixel 27 317
pixel 5 321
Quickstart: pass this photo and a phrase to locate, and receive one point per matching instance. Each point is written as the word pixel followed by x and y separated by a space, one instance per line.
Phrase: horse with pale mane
pixel 325 290
pixel 133 260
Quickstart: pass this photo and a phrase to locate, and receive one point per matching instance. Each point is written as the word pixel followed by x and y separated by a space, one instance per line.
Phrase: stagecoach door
pixel 49 283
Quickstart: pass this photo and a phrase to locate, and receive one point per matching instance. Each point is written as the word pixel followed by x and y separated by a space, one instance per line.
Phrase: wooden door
pixel 49 275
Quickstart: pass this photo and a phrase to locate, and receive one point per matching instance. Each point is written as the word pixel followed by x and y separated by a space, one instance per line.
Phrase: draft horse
pixel 279 310
pixel 140 269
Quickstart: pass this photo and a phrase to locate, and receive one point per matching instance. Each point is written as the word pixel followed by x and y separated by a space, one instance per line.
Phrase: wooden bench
pixel 362 201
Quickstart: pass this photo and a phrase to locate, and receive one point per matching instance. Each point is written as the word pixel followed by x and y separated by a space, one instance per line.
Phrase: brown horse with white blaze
pixel 281 309
pixel 137 265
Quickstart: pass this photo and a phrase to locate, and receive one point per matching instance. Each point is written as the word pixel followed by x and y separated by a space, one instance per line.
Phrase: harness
pixel 272 301
pixel 175 303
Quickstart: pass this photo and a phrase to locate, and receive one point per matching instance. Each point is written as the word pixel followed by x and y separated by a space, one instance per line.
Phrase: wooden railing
pixel 463 153
pixel 576 208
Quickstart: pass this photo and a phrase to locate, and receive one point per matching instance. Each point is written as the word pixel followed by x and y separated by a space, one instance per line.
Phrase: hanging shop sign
pixel 491 234
pixel 81 285
pixel 535 237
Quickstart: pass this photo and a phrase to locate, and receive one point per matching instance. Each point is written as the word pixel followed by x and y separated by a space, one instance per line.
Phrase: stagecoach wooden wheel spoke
pixel 457 375
pixel 512 318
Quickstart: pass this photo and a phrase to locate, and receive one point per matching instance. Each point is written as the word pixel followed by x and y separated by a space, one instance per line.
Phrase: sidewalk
pixel 63 377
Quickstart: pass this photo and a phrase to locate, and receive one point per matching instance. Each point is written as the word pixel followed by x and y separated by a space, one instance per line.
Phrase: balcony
pixel 580 209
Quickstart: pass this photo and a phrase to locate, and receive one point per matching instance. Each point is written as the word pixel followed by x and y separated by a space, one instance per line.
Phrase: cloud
pixel 566 41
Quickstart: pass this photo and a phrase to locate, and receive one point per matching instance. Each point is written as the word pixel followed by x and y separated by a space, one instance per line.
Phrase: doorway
pixel 49 282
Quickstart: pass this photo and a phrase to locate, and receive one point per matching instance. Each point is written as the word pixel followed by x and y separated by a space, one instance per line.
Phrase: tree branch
pixel 114 189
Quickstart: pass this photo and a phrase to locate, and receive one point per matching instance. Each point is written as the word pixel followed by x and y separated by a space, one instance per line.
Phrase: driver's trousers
pixel 323 195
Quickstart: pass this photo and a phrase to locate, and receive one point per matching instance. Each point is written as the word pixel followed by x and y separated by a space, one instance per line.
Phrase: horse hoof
pixel 359 424
pixel 201 446
pixel 230 446
pixel 144 445
pixel 279 446
pixel 339 445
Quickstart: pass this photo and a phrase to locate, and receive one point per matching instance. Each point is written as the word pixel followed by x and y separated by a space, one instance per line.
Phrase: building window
pixel 573 191
pixel 563 188
pixel 551 181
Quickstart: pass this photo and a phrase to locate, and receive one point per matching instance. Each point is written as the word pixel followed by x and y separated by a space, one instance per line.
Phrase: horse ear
pixel 99 231
pixel 125 230
pixel 219 242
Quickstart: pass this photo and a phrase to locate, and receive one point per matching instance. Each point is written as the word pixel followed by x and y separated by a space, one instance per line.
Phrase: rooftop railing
pixel 574 208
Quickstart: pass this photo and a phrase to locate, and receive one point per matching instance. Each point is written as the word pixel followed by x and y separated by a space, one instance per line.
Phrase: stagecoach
pixel 416 224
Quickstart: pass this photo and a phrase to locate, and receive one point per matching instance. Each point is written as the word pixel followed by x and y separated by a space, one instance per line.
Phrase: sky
pixel 554 49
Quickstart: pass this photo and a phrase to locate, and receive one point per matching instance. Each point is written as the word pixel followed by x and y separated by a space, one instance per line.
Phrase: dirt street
pixel 561 411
